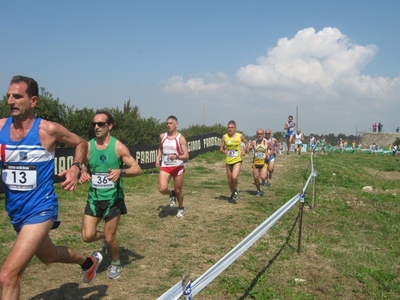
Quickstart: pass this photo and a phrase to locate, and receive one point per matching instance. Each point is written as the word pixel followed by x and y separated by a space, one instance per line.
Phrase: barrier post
pixel 187 287
pixel 313 175
pixel 313 190
pixel 301 206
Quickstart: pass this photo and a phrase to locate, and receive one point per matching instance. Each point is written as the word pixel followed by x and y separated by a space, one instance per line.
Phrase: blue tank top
pixel 290 129
pixel 27 173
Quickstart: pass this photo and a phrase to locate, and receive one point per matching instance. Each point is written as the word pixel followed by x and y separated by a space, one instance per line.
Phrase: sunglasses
pixel 100 124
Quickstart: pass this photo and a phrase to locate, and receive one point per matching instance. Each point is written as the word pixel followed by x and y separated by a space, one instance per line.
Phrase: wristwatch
pixel 78 164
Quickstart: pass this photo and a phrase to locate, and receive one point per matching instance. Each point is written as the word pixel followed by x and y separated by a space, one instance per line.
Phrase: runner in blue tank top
pixel 290 127
pixel 27 146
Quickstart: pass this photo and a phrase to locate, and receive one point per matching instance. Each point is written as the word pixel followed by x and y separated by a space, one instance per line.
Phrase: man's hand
pixel 114 174
pixel 71 178
pixel 85 177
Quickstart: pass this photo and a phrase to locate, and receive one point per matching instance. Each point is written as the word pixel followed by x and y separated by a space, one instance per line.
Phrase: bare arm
pixel 286 126
pixel 246 143
pixel 222 147
pixel 252 145
pixel 2 122
pixel 51 133
pixel 85 177
pixel 185 155
pixel 277 145
pixel 159 152
pixel 270 149
pixel 133 167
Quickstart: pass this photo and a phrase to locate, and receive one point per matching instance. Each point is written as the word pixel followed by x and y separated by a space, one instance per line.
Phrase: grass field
pixel 350 242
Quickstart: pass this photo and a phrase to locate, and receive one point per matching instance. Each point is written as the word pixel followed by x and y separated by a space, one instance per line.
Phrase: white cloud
pixel 196 84
pixel 309 57
pixel 318 71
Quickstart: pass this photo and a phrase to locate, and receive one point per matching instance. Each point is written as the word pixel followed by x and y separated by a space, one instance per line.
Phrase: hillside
pixel 382 139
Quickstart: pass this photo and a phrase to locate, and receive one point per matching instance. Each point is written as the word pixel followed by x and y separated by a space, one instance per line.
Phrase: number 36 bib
pixel 100 181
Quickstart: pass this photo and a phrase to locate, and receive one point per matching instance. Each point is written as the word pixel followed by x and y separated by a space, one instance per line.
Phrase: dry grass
pixel 157 248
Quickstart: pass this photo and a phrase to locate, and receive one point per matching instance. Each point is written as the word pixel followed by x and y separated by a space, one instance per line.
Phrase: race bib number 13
pixel 19 178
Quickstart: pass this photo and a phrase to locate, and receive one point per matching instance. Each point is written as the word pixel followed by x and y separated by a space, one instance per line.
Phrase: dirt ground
pixel 156 247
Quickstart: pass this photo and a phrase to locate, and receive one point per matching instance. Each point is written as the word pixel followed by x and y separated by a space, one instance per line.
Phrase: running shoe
pixel 259 193
pixel 114 271
pixel 90 274
pixel 181 213
pixel 172 199
pixel 235 195
pixel 267 183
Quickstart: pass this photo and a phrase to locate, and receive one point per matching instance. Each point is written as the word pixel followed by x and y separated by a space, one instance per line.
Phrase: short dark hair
pixel 232 122
pixel 110 118
pixel 32 88
pixel 173 118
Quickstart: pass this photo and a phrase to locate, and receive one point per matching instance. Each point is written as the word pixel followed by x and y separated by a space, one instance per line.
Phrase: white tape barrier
pixel 175 292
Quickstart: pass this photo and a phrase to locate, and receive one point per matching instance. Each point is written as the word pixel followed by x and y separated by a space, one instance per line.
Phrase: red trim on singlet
pixel 178 145
pixel 3 152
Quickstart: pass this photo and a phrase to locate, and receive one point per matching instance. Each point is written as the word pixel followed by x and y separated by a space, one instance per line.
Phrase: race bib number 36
pixel 100 181
pixel 19 178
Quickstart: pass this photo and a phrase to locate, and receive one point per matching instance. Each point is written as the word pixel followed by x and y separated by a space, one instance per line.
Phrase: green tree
pixel 4 110
pixel 280 136
pixel 151 129
pixel 126 127
pixel 79 121
pixel 49 108
pixel 130 128
pixel 202 129
pixel 331 139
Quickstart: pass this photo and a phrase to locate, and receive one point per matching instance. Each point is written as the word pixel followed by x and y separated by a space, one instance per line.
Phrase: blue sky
pixel 336 63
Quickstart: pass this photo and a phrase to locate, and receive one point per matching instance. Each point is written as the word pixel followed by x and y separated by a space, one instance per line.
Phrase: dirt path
pixel 156 247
